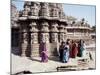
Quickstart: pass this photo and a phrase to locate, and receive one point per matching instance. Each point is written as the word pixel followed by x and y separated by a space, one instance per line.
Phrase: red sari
pixel 74 50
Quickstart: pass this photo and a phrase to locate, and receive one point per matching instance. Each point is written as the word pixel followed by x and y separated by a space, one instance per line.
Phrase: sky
pixel 77 11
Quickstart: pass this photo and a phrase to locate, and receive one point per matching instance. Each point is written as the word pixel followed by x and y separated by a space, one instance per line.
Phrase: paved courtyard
pixel 34 65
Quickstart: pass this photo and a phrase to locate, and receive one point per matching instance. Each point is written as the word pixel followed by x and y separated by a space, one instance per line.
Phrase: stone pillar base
pixel 35 50
pixel 24 48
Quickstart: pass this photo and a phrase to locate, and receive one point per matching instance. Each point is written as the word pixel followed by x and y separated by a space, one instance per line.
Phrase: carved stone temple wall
pixel 46 22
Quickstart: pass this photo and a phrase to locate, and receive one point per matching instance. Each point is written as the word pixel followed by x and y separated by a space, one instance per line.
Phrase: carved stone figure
pixel 54 37
pixel 34 38
pixel 35 9
pixel 25 38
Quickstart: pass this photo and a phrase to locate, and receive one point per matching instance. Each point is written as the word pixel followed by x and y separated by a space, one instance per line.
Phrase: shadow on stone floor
pixel 22 72
pixel 55 58
pixel 33 59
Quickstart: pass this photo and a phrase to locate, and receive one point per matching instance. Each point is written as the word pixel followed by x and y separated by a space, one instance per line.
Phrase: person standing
pixel 61 48
pixel 84 49
pixel 74 50
pixel 66 53
pixel 80 48
pixel 44 56
pixel 70 47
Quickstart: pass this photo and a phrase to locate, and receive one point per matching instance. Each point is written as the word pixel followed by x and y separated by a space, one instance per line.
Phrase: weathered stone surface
pixel 47 22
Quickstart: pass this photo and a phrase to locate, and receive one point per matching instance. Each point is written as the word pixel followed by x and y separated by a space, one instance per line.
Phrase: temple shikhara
pixel 45 22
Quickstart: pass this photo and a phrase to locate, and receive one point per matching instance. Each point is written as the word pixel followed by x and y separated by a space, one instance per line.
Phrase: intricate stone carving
pixel 44 27
pixel 54 37
pixel 47 37
pixel 54 30
pixel 42 20
pixel 54 27
pixel 34 34
pixel 62 37
pixel 61 28
pixel 54 10
pixel 35 9
pixel 34 38
pixel 26 11
pixel 25 38
pixel 44 37
pixel 61 15
pixel 33 27
pixel 44 10
pixel 62 32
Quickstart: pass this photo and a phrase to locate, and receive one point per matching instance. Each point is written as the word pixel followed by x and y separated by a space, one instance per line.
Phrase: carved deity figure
pixel 61 37
pixel 47 37
pixel 25 38
pixel 42 37
pixel 44 26
pixel 54 27
pixel 35 9
pixel 34 38
pixel 33 27
pixel 54 37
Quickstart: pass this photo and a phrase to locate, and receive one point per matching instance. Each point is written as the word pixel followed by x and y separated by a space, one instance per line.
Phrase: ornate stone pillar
pixel 34 33
pixel 44 35
pixel 61 33
pixel 54 32
pixel 54 39
pixel 24 40
pixel 34 39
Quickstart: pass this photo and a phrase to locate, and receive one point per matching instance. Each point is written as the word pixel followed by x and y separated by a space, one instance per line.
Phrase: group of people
pixel 68 49
pixel 71 49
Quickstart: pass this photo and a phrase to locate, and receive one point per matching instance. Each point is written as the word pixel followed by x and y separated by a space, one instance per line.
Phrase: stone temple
pixel 47 22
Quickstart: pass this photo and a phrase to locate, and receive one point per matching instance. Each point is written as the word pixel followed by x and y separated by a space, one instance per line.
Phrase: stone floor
pixel 19 64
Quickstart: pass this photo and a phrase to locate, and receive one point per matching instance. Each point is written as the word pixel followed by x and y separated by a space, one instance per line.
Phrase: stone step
pixel 67 68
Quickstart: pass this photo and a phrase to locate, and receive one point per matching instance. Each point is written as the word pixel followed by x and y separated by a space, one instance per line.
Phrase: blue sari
pixel 65 55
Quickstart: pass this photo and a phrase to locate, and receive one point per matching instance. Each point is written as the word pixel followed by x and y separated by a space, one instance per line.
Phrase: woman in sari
pixel 84 49
pixel 74 50
pixel 44 56
pixel 66 53
pixel 80 48
pixel 61 48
